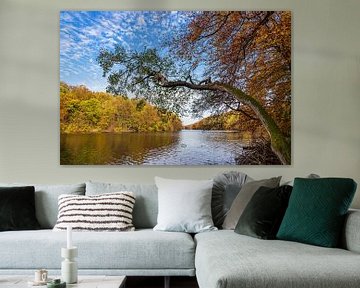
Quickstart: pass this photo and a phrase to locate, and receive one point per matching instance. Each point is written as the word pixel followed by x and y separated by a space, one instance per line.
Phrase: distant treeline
pixel 82 111
pixel 225 121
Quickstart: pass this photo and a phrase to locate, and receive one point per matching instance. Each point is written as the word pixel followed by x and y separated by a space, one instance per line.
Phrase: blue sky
pixel 84 33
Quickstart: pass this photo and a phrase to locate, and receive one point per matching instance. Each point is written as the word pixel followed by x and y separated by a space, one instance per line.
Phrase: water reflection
pixel 187 147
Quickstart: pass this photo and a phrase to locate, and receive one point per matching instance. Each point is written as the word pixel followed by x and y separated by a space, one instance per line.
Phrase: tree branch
pixel 241 111
pixel 143 79
pixel 217 29
pixel 202 87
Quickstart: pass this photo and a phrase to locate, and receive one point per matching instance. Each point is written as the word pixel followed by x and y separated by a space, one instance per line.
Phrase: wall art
pixel 175 88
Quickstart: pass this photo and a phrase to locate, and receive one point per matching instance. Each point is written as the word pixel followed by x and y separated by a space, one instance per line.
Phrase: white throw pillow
pixel 184 205
pixel 104 212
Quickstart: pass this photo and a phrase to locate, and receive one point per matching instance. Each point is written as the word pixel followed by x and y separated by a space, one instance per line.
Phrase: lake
pixel 186 147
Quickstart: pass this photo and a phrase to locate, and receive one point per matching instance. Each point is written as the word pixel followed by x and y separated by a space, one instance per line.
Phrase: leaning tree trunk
pixel 279 144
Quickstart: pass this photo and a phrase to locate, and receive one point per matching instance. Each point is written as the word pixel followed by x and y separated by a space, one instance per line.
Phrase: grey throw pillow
pixel 242 199
pixel 310 176
pixel 184 205
pixel 226 187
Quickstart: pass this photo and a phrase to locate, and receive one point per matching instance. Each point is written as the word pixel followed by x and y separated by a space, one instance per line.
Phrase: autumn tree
pixel 221 61
pixel 83 111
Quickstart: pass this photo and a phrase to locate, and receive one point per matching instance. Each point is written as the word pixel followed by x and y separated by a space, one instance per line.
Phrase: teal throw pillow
pixel 316 211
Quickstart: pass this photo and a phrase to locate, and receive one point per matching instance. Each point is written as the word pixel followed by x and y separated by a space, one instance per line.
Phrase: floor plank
pixel 158 282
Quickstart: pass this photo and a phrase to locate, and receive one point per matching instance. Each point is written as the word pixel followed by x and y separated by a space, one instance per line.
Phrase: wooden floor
pixel 158 282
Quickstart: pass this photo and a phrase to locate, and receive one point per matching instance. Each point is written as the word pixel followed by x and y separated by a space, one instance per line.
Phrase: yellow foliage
pixel 84 111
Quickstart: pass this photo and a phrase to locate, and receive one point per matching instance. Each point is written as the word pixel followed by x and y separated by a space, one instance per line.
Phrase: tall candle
pixel 69 237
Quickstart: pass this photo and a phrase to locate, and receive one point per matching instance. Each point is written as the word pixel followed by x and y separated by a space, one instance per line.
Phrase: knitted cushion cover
pixel 316 211
pixel 105 212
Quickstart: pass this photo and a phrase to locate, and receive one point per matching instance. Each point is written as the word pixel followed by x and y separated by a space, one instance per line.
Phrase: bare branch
pixel 241 111
pixel 223 22
pixel 201 87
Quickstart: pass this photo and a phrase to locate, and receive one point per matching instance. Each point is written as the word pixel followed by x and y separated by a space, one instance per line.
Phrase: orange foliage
pixel 250 50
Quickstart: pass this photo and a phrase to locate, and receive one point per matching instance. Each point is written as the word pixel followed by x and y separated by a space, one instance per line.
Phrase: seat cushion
pixel 143 249
pixel 225 259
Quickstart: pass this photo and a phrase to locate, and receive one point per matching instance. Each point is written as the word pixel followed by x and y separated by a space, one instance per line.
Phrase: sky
pixel 84 33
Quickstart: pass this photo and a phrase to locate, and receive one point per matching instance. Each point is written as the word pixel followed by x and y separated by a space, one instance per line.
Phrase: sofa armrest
pixel 351 234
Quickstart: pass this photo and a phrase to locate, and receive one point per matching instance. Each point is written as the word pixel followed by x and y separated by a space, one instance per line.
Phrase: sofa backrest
pixel 351 236
pixel 146 203
pixel 46 200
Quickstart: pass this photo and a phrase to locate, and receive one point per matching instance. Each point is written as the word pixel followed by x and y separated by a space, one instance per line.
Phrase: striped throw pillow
pixel 105 212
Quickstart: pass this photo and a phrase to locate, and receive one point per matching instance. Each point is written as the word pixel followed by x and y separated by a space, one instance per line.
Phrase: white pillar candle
pixel 69 237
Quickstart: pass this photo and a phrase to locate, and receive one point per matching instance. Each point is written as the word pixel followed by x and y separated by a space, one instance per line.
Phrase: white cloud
pixel 84 33
pixel 65 16
pixel 141 21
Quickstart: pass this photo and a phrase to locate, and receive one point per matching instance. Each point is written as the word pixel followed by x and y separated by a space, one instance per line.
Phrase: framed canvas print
pixel 175 87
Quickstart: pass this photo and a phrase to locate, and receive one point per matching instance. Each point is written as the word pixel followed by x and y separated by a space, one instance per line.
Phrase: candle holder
pixel 68 265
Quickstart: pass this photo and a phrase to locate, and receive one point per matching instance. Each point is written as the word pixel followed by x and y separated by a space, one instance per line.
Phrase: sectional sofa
pixel 219 259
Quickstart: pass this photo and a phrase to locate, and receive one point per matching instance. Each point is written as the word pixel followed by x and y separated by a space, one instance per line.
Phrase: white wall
pixel 326 91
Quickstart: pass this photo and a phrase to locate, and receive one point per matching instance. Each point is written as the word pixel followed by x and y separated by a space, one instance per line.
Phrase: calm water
pixel 187 147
